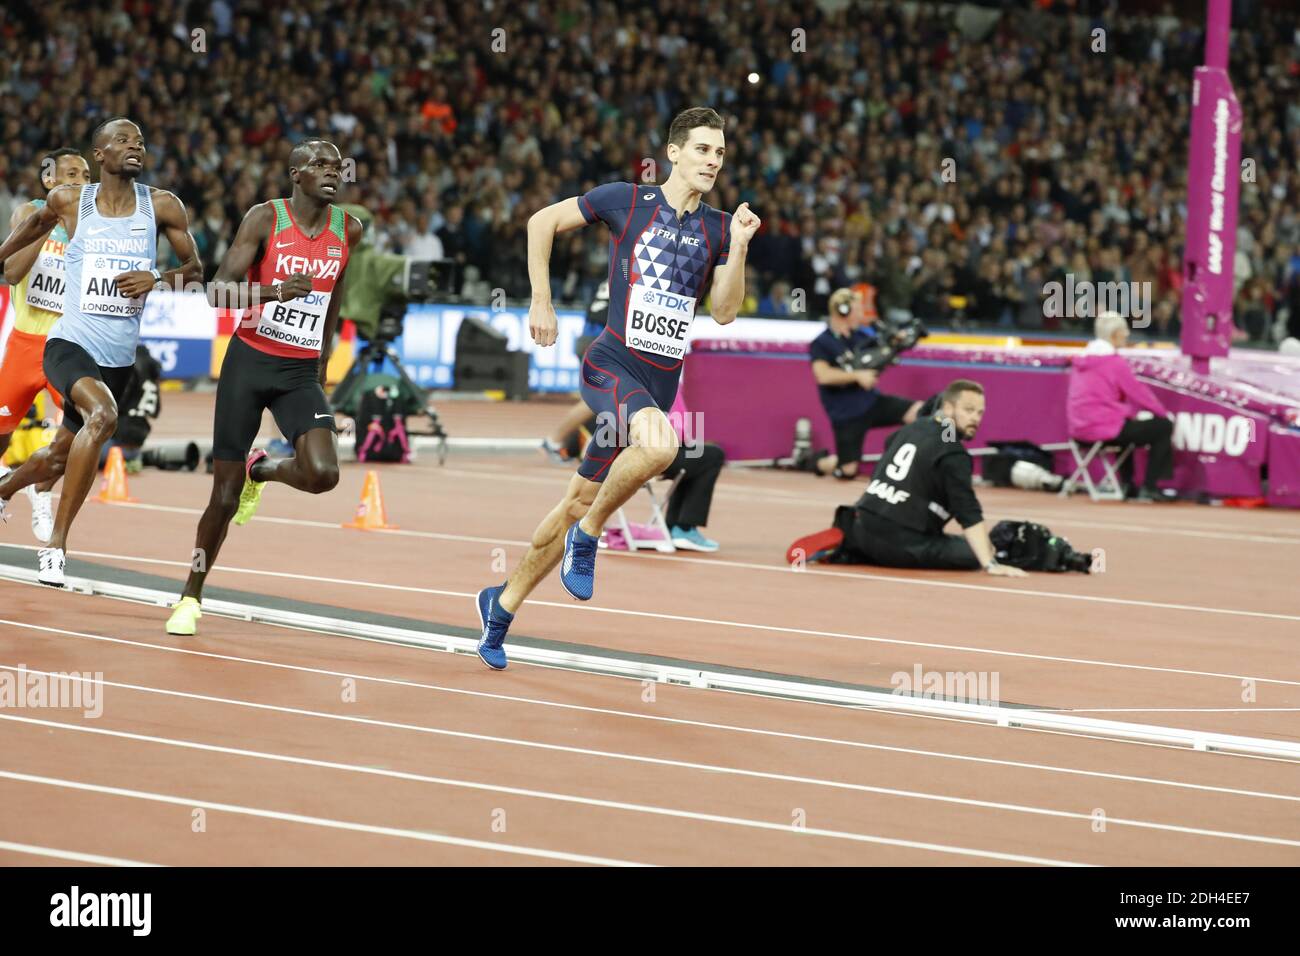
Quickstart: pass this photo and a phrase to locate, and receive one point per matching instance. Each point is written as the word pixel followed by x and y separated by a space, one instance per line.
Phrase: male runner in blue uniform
pixel 665 246
pixel 90 350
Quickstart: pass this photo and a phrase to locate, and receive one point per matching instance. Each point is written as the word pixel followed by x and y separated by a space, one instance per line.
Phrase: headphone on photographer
pixel 841 302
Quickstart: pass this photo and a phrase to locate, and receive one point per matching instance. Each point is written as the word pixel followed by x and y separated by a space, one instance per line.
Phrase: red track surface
pixel 430 758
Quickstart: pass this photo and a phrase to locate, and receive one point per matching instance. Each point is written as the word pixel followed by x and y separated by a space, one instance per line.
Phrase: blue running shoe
pixel 578 569
pixel 495 621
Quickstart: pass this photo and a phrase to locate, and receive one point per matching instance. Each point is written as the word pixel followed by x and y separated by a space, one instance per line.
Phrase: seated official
pixel 1107 403
pixel 688 508
pixel 700 463
pixel 852 402
pixel 922 481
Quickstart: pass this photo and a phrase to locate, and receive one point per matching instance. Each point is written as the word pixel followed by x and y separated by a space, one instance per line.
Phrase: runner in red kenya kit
pixel 294 253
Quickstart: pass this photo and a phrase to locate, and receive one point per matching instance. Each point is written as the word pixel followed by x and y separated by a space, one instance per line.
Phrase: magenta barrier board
pixel 1284 466
pixel 750 395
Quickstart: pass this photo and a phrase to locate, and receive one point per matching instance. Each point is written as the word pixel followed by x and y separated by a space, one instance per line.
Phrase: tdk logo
pixel 1208 433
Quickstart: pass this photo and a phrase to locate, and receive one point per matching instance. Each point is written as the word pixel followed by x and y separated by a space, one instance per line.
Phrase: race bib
pixel 99 292
pixel 45 280
pixel 298 322
pixel 657 321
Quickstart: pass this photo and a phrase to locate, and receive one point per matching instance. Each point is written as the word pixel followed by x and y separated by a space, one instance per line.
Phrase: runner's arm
pixel 355 229
pixel 169 213
pixel 20 263
pixel 227 290
pixel 728 291
pixel 543 226
pixel 39 223
pixel 175 221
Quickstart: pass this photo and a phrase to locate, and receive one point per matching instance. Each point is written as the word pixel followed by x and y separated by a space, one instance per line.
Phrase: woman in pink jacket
pixel 1107 403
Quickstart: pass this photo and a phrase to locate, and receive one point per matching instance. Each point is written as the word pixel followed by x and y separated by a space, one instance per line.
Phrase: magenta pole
pixel 1218 26
pixel 1213 186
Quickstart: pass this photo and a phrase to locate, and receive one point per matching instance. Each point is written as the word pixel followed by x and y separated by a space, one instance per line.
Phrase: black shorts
pixel 879 541
pixel 253 380
pixel 65 363
pixel 851 433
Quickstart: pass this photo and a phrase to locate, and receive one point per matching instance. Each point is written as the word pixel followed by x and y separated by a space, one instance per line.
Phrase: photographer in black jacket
pixel 847 359
pixel 922 481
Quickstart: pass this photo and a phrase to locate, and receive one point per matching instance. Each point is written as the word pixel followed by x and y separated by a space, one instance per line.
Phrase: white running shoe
pixel 42 513
pixel 52 561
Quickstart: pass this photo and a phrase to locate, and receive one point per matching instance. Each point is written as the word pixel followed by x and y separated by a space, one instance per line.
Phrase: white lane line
pixel 1006 589
pixel 307 523
pixel 72 855
pixel 681 721
pixel 555 797
pixel 325 822
pixel 1189 532
pixel 1167 710
pixel 741 491
pixel 681 764
pixel 773 497
pixel 659 616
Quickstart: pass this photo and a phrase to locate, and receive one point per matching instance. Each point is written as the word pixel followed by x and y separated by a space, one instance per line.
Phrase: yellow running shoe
pixel 252 493
pixel 185 617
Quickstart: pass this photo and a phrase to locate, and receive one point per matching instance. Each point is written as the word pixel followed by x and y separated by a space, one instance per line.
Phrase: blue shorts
pixel 616 385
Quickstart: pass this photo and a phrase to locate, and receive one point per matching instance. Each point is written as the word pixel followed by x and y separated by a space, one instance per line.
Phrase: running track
pixel 256 744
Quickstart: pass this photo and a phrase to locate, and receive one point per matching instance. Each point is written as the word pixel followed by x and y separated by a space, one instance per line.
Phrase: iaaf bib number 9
pixel 657 321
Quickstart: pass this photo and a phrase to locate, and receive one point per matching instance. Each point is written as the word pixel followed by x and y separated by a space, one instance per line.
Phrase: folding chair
pixel 1110 457
pixel 623 534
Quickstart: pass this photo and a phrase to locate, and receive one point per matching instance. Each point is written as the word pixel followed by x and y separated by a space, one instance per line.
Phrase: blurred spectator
pixel 777 300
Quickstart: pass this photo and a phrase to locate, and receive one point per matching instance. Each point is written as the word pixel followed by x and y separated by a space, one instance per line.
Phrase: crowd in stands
pixel 958 167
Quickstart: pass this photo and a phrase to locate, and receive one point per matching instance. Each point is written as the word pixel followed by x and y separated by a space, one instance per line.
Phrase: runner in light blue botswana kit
pixel 90 350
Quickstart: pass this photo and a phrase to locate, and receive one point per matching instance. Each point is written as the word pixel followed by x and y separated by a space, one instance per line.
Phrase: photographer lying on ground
pixel 922 481
pixel 847 360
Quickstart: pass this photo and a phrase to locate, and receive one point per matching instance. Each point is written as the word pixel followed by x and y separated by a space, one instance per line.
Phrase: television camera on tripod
pixel 379 288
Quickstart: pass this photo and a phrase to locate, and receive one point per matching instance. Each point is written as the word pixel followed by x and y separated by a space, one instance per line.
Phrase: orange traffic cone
pixel 114 489
pixel 370 511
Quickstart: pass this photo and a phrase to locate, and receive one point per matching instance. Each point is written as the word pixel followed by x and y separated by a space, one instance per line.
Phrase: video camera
pixel 421 278
pixel 895 336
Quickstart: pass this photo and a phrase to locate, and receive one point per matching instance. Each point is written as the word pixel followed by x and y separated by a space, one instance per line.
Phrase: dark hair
pixel 99 130
pixel 51 159
pixel 954 389
pixel 690 119
pixel 302 150
pixel 53 155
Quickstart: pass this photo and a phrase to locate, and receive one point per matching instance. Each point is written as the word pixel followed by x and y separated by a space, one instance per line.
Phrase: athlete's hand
pixel 134 284
pixel 743 225
pixel 542 323
pixel 297 286
pixel 1007 571
pixel 867 378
